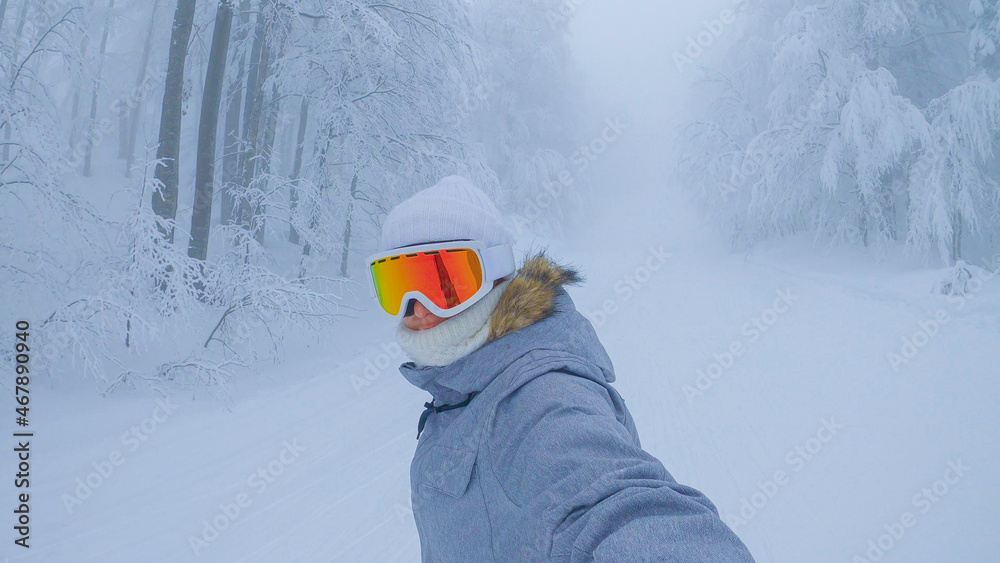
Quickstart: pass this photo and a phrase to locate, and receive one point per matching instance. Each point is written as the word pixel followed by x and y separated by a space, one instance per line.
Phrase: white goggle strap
pixel 498 261
pixel 371 282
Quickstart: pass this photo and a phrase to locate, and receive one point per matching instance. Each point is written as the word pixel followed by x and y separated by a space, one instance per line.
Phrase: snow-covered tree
pixel 385 81
pixel 951 188
pixel 523 114
pixel 984 40
pixel 866 153
pixel 858 128
pixel 323 115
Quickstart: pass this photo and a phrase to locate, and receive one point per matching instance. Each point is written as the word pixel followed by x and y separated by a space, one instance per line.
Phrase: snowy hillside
pixel 319 450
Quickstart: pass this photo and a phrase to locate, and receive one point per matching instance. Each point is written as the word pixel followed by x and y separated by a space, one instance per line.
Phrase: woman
pixel 526 452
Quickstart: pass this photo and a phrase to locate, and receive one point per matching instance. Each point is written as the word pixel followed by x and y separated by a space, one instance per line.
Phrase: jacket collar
pixel 534 312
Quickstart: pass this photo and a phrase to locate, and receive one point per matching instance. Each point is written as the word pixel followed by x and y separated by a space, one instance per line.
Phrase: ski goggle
pixel 447 277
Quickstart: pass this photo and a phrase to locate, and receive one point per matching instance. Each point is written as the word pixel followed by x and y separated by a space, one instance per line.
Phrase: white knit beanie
pixel 452 209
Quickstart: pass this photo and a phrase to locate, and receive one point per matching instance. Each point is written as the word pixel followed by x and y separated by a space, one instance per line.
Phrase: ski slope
pixel 311 463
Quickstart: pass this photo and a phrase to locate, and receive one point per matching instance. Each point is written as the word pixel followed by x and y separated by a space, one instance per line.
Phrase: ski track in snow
pixel 346 496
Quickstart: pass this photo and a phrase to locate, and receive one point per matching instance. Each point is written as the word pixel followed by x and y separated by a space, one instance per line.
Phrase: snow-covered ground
pixel 831 405
pixel 801 431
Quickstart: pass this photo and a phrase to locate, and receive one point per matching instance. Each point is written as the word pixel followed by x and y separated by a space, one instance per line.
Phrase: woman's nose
pixel 419 310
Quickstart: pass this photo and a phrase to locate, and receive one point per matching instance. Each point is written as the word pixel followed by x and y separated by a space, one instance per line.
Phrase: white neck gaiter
pixel 455 337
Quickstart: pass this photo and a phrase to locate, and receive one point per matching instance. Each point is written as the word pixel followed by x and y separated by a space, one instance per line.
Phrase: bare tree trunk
pixel 267 148
pixel 293 196
pixel 201 216
pixel 122 134
pixel 165 201
pixel 140 92
pixel 287 148
pixel 323 144
pixel 257 75
pixel 347 227
pixel 75 112
pixel 3 10
pixel 956 237
pixel 293 193
pixel 863 218
pixel 231 137
pixel 22 16
pixel 77 88
pixel 251 115
pixel 92 123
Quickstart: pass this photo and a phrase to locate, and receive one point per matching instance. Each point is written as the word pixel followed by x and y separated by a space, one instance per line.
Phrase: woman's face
pixel 422 319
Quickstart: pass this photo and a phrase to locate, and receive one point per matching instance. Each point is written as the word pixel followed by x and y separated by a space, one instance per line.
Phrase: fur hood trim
pixel 530 296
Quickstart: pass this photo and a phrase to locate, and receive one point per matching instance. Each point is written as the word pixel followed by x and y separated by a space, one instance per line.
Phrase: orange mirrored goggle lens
pixel 447 277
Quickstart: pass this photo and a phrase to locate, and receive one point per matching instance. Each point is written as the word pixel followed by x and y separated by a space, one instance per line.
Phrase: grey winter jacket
pixel 544 463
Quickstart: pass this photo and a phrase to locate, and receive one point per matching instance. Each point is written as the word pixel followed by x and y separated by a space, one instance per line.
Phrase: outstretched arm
pixel 560 453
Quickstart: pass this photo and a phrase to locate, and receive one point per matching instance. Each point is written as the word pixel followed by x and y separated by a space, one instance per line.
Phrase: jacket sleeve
pixel 591 491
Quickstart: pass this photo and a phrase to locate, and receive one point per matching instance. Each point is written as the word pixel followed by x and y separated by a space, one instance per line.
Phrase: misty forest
pixel 210 178
pixel 204 170
pixel 189 190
